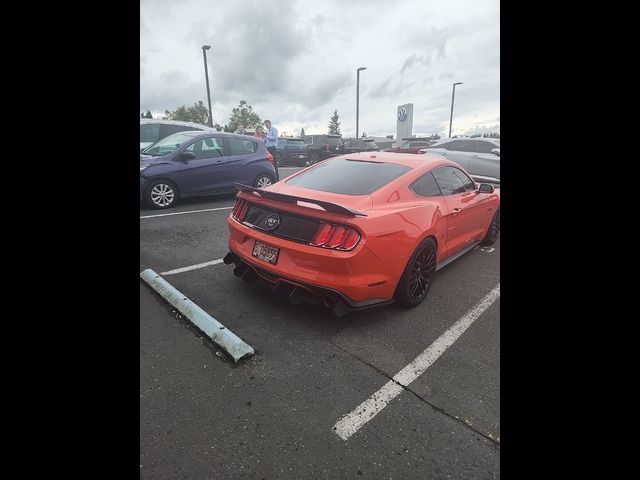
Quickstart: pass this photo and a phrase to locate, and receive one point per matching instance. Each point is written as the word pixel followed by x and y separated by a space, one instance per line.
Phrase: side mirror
pixel 485 188
pixel 186 156
pixel 496 151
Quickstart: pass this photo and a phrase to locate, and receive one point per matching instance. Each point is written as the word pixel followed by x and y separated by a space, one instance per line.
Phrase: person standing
pixel 260 133
pixel 271 142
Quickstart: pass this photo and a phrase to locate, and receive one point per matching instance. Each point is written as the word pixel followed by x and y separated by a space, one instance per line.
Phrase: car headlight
pixel 142 167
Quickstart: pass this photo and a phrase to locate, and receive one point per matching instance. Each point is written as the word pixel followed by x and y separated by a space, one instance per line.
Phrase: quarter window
pixel 448 180
pixel 426 186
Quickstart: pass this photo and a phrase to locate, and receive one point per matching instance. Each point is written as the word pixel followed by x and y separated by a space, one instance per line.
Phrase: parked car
pixel 410 147
pixel 321 147
pixel 194 163
pixel 291 151
pixel 153 130
pixel 358 230
pixel 353 145
pixel 478 156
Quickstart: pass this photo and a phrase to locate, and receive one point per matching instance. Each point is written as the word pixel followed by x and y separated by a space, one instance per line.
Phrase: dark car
pixel 291 151
pixel 410 147
pixel 354 145
pixel 321 147
pixel 194 163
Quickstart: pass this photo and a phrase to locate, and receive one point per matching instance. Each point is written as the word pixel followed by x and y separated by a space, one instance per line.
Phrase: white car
pixel 153 130
pixel 478 156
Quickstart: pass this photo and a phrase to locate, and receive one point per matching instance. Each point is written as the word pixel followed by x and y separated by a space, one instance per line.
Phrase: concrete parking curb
pixel 220 335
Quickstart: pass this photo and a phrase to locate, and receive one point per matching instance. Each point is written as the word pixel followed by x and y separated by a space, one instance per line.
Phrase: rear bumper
pixel 358 277
pixel 297 291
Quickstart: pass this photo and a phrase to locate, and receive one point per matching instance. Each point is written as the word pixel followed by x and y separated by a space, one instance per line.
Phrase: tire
pixel 493 231
pixel 417 277
pixel 263 180
pixel 313 158
pixel 279 159
pixel 161 194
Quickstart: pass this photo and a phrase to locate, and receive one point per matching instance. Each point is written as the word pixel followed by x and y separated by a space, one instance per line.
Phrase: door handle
pixel 455 211
pixel 218 161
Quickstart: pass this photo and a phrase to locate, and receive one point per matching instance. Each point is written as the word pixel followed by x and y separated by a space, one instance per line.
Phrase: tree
pixel 148 114
pixel 196 114
pixel 244 116
pixel 302 131
pixel 364 135
pixel 334 124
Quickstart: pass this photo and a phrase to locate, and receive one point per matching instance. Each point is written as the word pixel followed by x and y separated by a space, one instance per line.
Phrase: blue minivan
pixel 194 163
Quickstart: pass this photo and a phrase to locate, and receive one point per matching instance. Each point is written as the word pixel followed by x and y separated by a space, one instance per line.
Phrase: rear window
pixel 348 177
pixel 295 142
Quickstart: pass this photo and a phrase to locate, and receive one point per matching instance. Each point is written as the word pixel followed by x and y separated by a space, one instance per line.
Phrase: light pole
pixel 452 97
pixel 206 74
pixel 358 98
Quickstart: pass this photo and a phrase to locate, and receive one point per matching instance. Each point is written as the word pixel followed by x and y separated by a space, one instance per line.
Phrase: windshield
pixel 348 177
pixel 167 145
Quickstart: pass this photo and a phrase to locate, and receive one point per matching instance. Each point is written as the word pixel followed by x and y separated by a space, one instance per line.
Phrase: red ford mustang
pixel 360 230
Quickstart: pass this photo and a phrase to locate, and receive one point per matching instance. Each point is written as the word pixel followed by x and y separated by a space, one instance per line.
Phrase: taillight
pixel 240 209
pixel 270 157
pixel 335 236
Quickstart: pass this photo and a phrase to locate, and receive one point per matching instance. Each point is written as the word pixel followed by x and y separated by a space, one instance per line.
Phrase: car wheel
pixel 279 159
pixel 313 158
pixel 493 231
pixel 417 276
pixel 263 181
pixel 161 194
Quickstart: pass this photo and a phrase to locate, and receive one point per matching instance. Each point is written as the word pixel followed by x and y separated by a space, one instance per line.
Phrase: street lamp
pixel 452 97
pixel 206 74
pixel 358 98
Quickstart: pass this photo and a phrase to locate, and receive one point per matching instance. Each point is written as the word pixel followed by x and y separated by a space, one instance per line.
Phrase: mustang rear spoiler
pixel 281 197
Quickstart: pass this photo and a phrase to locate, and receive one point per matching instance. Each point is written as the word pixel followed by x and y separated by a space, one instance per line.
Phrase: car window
pixel 348 177
pixel 295 142
pixel 484 147
pixel 240 146
pixel 328 140
pixel 168 144
pixel 150 132
pixel 210 147
pixel 469 185
pixel 448 180
pixel 171 129
pixel 426 186
pixel 453 145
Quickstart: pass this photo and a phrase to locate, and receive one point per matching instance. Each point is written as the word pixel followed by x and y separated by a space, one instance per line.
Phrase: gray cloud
pixel 296 61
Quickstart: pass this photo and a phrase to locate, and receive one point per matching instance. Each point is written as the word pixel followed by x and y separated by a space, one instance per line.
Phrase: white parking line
pixel 368 409
pixel 192 267
pixel 183 213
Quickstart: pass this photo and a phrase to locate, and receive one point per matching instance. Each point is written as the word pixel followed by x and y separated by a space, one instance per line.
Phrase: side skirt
pixel 447 261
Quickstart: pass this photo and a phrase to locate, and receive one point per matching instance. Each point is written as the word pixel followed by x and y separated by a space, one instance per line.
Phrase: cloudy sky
pixel 295 61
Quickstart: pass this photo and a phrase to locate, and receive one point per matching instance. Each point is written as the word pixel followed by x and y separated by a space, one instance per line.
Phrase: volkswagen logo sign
pixel 272 222
pixel 402 114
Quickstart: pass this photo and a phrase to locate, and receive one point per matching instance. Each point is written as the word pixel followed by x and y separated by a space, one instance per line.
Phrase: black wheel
pixel 313 158
pixel 279 159
pixel 263 181
pixel 417 276
pixel 493 231
pixel 161 194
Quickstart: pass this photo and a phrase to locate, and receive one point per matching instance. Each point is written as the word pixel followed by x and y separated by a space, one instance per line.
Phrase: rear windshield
pixel 348 177
pixel 296 141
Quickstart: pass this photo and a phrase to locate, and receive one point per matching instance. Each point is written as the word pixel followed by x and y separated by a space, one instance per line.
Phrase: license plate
pixel 266 253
